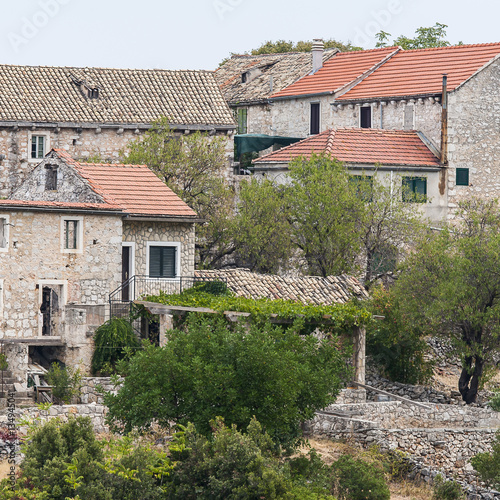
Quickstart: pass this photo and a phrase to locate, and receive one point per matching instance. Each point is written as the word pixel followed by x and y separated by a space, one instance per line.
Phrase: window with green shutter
pixel 363 186
pixel 242 120
pixel 462 177
pixel 162 262
pixel 415 189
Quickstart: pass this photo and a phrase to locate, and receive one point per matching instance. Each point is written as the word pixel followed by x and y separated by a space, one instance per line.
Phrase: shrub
pixel 488 464
pixel 494 402
pixel 66 382
pixel 111 341
pixel 358 480
pixel 215 369
pixel 446 490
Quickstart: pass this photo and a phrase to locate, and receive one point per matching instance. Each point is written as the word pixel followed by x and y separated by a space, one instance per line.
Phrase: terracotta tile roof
pixel 363 146
pixel 283 69
pixel 126 96
pixel 339 71
pixel 307 289
pixel 133 188
pixel 420 72
pixel 59 205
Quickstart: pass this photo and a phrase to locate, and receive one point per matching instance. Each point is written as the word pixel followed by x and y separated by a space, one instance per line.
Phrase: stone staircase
pixel 9 386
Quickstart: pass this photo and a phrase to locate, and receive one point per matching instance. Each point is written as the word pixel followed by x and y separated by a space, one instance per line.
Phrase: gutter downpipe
pixel 444 134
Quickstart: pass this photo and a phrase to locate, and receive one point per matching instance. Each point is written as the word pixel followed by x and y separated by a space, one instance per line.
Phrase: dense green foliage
pixel 340 317
pixel 65 382
pixel 425 38
pixel 494 402
pixel 449 285
pixel 446 490
pixel 281 46
pixel 359 480
pixel 111 341
pixel 394 344
pixel 211 369
pixel 193 166
pixel 488 464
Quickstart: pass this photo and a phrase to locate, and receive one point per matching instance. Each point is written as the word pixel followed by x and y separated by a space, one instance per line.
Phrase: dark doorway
pixel 50 305
pixel 125 273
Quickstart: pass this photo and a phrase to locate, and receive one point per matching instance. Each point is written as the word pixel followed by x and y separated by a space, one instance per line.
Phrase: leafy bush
pixel 446 490
pixel 66 382
pixel 494 402
pixel 111 341
pixel 394 345
pixel 488 464
pixel 358 480
pixel 215 369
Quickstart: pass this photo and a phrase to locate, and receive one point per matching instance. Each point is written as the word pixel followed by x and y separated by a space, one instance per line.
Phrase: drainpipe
pixel 444 121
pixel 444 135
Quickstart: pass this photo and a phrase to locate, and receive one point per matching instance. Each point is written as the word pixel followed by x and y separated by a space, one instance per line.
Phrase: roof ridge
pixel 330 141
pixel 451 47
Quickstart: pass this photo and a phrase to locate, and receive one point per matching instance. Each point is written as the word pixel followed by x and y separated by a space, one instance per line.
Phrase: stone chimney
pixel 317 54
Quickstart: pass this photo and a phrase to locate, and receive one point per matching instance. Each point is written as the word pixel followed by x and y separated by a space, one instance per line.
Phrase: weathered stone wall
pixel 141 233
pixel 100 143
pixel 474 136
pixel 91 390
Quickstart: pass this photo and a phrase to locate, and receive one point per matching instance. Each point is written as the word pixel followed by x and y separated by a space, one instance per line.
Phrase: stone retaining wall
pixel 91 390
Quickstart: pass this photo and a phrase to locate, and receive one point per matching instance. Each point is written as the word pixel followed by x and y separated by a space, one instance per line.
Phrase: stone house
pixel 72 233
pixel 449 95
pixel 95 112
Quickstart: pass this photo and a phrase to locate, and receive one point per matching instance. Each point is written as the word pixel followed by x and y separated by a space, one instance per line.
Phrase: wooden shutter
pixel 162 262
pixel 314 118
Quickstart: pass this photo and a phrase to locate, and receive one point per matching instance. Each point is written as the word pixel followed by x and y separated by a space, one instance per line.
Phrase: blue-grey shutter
pixel 162 262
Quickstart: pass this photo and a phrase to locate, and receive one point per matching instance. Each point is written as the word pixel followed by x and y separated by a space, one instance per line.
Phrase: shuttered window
pixel 415 189
pixel 314 118
pixel 242 120
pixel 162 262
pixel 462 177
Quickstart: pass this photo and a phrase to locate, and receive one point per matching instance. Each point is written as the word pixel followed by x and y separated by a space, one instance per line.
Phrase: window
pixel 363 185
pixel 462 177
pixel 162 261
pixel 409 117
pixel 365 117
pixel 37 147
pixel 4 233
pixel 415 189
pixel 50 177
pixel 72 234
pixel 242 120
pixel 314 129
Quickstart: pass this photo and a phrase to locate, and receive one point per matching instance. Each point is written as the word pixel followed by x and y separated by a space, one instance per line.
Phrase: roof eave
pixel 165 218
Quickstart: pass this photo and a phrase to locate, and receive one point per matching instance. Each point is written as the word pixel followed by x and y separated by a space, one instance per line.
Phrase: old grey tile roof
pixel 280 69
pixel 126 96
pixel 307 289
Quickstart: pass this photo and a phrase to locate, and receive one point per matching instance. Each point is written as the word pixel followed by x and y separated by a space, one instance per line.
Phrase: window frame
pixel 242 120
pixel 46 146
pixel 6 228
pixel 361 108
pixel 408 196
pixel 51 177
pixel 317 122
pixel 462 171
pixel 78 235
pixel 175 244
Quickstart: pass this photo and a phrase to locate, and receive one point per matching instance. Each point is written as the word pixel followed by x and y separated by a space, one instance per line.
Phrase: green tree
pixel 450 285
pixel 488 464
pixel 194 167
pixel 208 369
pixel 281 46
pixel 262 231
pixel 425 38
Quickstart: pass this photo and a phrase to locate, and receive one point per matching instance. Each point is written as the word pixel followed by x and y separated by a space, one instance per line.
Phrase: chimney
pixel 317 54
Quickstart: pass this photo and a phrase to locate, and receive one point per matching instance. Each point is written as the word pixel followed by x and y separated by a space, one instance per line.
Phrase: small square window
pixel 162 261
pixel 462 177
pixel 37 147
pixel 415 189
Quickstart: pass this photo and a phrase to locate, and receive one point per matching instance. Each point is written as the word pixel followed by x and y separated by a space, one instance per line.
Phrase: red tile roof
pixel 59 205
pixel 339 71
pixel 133 188
pixel 401 73
pixel 360 146
pixel 420 72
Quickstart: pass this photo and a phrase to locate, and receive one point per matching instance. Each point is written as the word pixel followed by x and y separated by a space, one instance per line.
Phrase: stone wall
pixel 141 233
pixel 99 142
pixel 91 390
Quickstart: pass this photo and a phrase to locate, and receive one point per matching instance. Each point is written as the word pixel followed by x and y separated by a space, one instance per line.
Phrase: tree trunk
pixel 468 383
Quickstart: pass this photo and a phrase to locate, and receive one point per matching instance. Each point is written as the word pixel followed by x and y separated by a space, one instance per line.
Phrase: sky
pixel 199 34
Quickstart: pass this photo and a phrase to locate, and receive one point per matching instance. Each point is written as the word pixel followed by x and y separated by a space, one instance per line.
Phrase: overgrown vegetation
pixel 488 464
pixel 66 382
pixel 281 46
pixel 210 368
pixel 425 38
pixel 111 341
pixel 446 490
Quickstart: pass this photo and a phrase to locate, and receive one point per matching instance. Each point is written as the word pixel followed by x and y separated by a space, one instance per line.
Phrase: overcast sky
pixel 198 34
